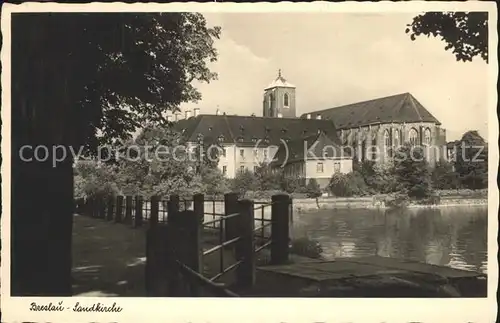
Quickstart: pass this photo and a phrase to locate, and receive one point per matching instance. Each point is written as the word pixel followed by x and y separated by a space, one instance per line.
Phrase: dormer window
pixel 254 139
pixel 240 139
pixel 221 138
pixel 283 130
pixel 209 128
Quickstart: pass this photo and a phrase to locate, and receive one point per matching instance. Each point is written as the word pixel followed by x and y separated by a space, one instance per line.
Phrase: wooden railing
pixel 182 236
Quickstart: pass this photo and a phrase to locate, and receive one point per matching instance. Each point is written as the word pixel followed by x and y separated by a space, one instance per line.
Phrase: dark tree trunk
pixel 41 227
pixel 41 191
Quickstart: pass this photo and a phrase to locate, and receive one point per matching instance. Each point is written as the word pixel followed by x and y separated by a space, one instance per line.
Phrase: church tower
pixel 279 99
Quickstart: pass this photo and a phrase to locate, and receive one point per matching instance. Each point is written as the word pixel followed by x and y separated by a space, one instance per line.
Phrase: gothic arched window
pixel 427 136
pixel 397 138
pixel 413 137
pixel 285 100
pixel 387 138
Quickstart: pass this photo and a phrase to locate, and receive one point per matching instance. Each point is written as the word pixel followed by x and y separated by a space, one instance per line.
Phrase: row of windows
pixel 412 137
pixel 242 169
pixel 255 153
pixel 320 167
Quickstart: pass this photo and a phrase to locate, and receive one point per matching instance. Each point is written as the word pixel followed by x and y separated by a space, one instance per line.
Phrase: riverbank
pixel 376 202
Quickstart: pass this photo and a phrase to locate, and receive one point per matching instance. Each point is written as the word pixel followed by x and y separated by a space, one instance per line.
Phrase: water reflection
pixel 452 236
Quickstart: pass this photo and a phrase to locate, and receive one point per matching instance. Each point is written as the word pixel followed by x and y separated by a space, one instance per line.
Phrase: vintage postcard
pixel 213 162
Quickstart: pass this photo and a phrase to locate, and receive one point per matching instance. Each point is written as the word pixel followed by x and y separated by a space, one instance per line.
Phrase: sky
pixel 340 58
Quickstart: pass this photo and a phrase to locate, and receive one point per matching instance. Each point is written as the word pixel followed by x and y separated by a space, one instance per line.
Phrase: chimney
pixel 196 112
pixel 217 113
pixel 177 116
pixel 318 117
pixel 188 114
pixel 308 116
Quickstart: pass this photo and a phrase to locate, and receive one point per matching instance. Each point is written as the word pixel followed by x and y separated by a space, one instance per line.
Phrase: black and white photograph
pixel 320 156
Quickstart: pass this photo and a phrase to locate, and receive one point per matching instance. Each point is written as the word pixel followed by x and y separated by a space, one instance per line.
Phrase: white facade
pixel 235 158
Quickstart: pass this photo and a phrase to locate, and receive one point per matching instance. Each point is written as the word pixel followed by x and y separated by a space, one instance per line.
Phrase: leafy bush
pixel 291 184
pixel 268 179
pixel 472 161
pixel 397 200
pixel 346 185
pixel 95 180
pixel 430 200
pixel 306 247
pixel 243 182
pixel 444 177
pixel 214 182
pixel 312 189
pixel 412 172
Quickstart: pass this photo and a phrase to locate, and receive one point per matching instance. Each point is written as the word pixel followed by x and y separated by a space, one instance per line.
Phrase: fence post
pixel 245 247
pixel 102 208
pixel 156 269
pixel 119 209
pixel 230 207
pixel 153 212
pixel 199 206
pixel 192 252
pixel 78 206
pixel 173 208
pixel 128 210
pixel 109 214
pixel 92 207
pixel 280 217
pixel 85 206
pixel 95 207
pixel 138 212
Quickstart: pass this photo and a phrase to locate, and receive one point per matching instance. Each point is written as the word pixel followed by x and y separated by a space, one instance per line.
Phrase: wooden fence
pixel 181 235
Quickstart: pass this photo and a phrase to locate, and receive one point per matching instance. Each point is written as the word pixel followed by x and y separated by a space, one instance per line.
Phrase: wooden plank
pixel 363 267
pixel 413 266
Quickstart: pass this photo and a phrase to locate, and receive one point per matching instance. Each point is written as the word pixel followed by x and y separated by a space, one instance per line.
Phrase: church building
pixel 316 144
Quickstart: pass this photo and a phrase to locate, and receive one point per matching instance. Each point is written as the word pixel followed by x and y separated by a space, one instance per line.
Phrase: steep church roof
pixel 317 146
pixel 280 81
pixel 397 108
pixel 252 130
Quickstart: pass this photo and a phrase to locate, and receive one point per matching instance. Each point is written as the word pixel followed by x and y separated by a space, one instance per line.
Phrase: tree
pixel 471 162
pixel 243 182
pixel 161 165
pixel 75 75
pixel 95 180
pixel 346 185
pixel 465 33
pixel 207 154
pixel 291 184
pixel 412 172
pixel 444 177
pixel 268 179
pixel 313 190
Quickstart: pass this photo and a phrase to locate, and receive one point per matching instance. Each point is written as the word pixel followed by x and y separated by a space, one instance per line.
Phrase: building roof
pixel 279 82
pixel 397 108
pixel 315 147
pixel 252 130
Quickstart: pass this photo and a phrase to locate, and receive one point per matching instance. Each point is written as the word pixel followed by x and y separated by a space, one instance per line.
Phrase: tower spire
pixel 279 73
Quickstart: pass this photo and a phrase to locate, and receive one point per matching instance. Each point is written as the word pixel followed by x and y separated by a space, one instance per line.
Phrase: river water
pixel 449 236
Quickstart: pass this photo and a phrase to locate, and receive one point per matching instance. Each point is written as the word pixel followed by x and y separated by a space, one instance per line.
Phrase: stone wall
pixel 303 205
